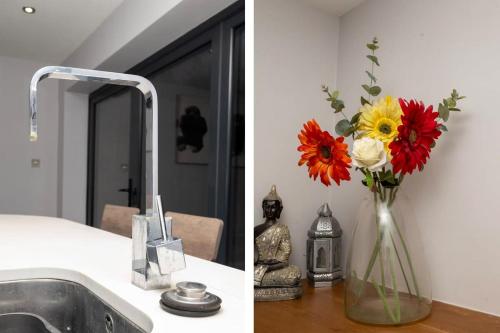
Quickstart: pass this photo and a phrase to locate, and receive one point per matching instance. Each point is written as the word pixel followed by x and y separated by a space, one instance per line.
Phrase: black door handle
pixel 130 190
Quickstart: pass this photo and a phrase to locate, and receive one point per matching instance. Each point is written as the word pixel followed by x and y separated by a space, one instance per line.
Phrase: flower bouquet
pixel 387 280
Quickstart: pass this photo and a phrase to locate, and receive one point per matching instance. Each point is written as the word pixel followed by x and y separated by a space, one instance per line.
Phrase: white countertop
pixel 45 247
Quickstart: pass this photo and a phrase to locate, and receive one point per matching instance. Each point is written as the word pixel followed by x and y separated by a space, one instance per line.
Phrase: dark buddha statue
pixel 274 278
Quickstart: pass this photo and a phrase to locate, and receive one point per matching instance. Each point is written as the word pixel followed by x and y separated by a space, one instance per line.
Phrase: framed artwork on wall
pixel 191 128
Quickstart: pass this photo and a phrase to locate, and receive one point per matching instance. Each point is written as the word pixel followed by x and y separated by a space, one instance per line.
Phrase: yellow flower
pixel 380 120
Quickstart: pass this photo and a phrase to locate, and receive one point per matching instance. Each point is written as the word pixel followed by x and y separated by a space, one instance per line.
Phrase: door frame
pixel 227 104
pixel 218 32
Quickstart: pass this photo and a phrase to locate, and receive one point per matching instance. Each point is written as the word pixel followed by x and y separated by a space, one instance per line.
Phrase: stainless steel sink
pixel 25 323
pixel 55 306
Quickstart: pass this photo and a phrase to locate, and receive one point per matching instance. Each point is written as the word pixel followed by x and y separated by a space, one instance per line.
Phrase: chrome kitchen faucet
pixel 147 272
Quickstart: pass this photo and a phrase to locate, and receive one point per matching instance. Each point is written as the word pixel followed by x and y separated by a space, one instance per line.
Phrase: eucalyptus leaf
pixel 454 109
pixel 375 90
pixel 335 94
pixel 366 88
pixel 374 59
pixel 344 127
pixel 355 118
pixel 444 113
pixel 364 101
pixel 338 105
pixel 451 102
pixel 372 47
pixel 370 75
pixel 443 128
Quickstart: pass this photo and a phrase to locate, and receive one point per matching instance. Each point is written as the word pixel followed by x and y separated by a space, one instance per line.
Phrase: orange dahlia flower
pixel 325 156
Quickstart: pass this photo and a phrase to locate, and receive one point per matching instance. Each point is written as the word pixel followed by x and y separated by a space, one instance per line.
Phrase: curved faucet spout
pixel 141 83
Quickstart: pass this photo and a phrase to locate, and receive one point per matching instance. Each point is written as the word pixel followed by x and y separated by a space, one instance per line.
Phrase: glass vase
pixel 387 277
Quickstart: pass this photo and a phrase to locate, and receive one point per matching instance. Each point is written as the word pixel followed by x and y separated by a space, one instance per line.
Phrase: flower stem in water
pixel 407 253
pixel 384 300
pixel 395 288
pixel 401 265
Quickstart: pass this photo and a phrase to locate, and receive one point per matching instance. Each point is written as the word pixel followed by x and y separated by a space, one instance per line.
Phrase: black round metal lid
pixel 188 313
pixel 190 297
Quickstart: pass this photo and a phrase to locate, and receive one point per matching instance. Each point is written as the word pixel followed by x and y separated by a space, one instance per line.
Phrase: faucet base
pixel 157 282
pixel 146 272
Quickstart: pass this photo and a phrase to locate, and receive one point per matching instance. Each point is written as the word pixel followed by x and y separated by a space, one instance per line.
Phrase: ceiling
pixel 56 29
pixel 335 7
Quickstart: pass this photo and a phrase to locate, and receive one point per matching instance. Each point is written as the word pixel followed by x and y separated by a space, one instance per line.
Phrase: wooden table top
pixel 322 310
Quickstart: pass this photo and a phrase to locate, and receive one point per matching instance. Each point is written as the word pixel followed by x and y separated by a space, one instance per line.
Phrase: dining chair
pixel 118 219
pixel 200 235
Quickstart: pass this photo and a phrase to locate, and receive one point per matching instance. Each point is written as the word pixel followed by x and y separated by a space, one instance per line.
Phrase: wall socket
pixel 35 162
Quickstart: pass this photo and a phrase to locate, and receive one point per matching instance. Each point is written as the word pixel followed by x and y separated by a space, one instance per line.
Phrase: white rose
pixel 369 153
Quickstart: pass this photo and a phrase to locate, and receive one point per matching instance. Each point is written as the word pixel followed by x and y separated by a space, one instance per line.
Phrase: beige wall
pixel 295 52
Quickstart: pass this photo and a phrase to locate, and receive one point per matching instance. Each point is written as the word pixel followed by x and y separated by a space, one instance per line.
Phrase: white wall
pixel 26 190
pixel 427 48
pixel 295 52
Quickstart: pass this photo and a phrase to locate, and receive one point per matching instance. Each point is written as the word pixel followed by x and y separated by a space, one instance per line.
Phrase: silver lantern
pixel 324 249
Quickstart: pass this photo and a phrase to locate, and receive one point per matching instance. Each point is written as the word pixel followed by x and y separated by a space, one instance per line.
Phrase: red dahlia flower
pixel 416 136
pixel 325 155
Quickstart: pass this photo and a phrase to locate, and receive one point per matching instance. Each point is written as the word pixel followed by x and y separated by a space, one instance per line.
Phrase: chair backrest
pixel 118 219
pixel 200 235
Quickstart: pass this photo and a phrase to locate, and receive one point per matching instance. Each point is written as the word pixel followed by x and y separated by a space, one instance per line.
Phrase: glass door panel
pixel 115 169
pixel 187 125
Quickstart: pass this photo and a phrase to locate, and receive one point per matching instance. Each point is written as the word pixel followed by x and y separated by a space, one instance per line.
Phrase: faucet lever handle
pixel 161 217
pixel 168 227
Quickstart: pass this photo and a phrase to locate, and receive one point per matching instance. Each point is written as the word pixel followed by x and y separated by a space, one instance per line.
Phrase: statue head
pixel 272 205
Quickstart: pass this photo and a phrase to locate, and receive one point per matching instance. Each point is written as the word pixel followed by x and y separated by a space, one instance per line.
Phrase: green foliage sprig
pixel 372 89
pixel 335 103
pixel 344 127
pixel 449 104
